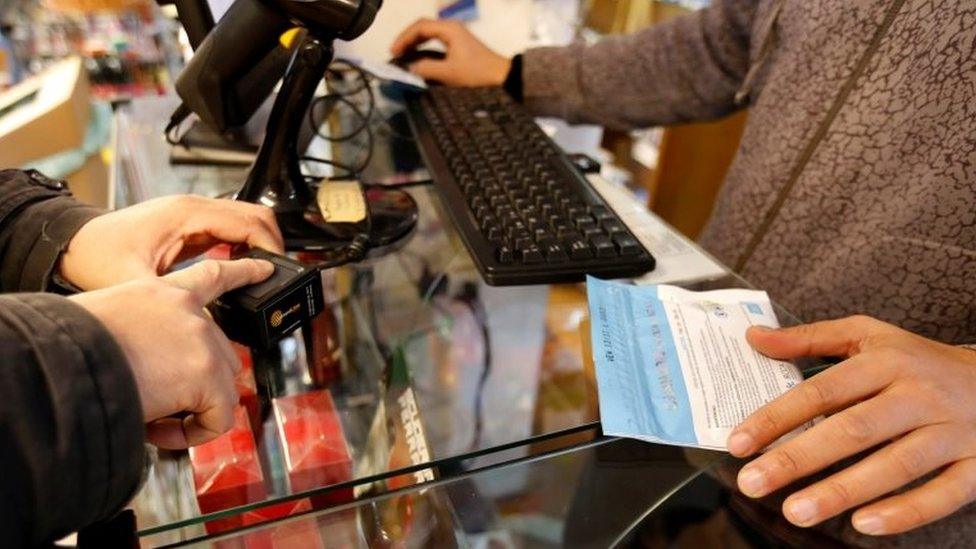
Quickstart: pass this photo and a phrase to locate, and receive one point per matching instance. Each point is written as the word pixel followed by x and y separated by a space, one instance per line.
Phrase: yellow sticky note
pixel 342 201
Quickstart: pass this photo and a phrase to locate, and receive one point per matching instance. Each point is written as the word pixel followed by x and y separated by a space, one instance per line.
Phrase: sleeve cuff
pixel 42 260
pixel 513 81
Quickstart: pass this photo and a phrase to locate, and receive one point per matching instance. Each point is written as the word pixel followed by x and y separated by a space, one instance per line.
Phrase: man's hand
pixel 468 62
pixel 909 397
pixel 149 238
pixel 182 362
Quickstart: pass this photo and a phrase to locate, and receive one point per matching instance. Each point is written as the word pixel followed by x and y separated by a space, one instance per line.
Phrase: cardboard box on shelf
pixel 45 114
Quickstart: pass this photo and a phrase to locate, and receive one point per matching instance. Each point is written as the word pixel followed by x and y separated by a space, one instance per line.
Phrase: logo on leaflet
pixel 278 317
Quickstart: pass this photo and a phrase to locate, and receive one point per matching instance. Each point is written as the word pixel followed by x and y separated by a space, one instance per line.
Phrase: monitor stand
pixel 276 179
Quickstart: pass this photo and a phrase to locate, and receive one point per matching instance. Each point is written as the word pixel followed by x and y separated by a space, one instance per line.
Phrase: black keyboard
pixel 525 213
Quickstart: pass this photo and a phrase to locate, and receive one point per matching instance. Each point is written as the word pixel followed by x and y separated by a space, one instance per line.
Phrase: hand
pixel 181 361
pixel 149 238
pixel 468 62
pixel 910 397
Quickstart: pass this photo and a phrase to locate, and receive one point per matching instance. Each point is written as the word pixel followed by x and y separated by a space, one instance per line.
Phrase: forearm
pixel 37 219
pixel 683 70
pixel 72 443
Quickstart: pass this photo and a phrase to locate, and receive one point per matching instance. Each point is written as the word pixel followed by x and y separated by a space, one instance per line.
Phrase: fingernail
pixel 740 444
pixel 752 481
pixel 869 523
pixel 762 328
pixel 801 511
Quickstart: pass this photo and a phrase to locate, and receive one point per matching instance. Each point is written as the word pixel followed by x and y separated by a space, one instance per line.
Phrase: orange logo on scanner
pixel 278 317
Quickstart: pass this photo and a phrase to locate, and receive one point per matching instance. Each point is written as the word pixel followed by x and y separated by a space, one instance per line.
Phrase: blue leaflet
pixel 642 390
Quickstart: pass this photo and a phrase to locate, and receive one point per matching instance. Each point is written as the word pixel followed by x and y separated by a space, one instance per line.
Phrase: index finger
pixel 838 386
pixel 420 31
pixel 842 337
pixel 238 222
pixel 210 279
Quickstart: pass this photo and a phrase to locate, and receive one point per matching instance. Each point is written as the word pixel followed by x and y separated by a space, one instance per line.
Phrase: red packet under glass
pixel 314 445
pixel 227 473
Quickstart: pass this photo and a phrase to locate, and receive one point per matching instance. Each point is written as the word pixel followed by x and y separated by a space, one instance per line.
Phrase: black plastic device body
pixel 238 64
pixel 260 315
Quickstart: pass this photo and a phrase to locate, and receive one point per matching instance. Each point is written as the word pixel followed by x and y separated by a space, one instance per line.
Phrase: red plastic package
pixel 227 473
pixel 314 445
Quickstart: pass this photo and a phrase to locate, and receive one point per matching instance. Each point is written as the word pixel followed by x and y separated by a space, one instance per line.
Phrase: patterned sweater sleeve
pixel 686 69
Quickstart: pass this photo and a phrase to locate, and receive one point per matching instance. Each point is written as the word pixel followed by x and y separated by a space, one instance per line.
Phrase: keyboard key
pixel 505 255
pixel 584 222
pixel 579 249
pixel 522 241
pixel 546 239
pixel 626 244
pixel 603 246
pixel 482 211
pixel 555 253
pixel 531 255
pixel 591 232
pixel 565 231
pixel 601 213
pixel 576 212
pixel 613 226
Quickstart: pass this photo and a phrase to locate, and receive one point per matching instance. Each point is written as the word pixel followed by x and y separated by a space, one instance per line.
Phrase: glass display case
pixel 416 377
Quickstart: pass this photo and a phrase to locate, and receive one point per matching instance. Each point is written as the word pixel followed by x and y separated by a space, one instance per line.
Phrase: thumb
pixel 210 279
pixel 431 69
pixel 840 338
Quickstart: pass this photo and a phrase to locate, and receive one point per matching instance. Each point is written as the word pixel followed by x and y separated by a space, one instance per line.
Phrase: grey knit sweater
pixel 854 189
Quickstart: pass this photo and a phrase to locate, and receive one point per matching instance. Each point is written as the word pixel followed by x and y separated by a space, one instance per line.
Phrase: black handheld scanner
pixel 262 314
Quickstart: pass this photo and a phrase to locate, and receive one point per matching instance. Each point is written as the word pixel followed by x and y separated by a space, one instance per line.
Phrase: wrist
pixel 499 70
pixel 69 266
pixel 62 218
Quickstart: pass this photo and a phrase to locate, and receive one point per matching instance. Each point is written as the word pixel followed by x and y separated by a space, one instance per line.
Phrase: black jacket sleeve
pixel 38 217
pixel 71 431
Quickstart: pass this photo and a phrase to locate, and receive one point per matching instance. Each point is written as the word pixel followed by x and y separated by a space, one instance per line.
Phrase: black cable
pixel 179 115
pixel 364 118
pixel 343 97
pixel 352 252
pixel 349 67
pixel 362 127
pixel 469 297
